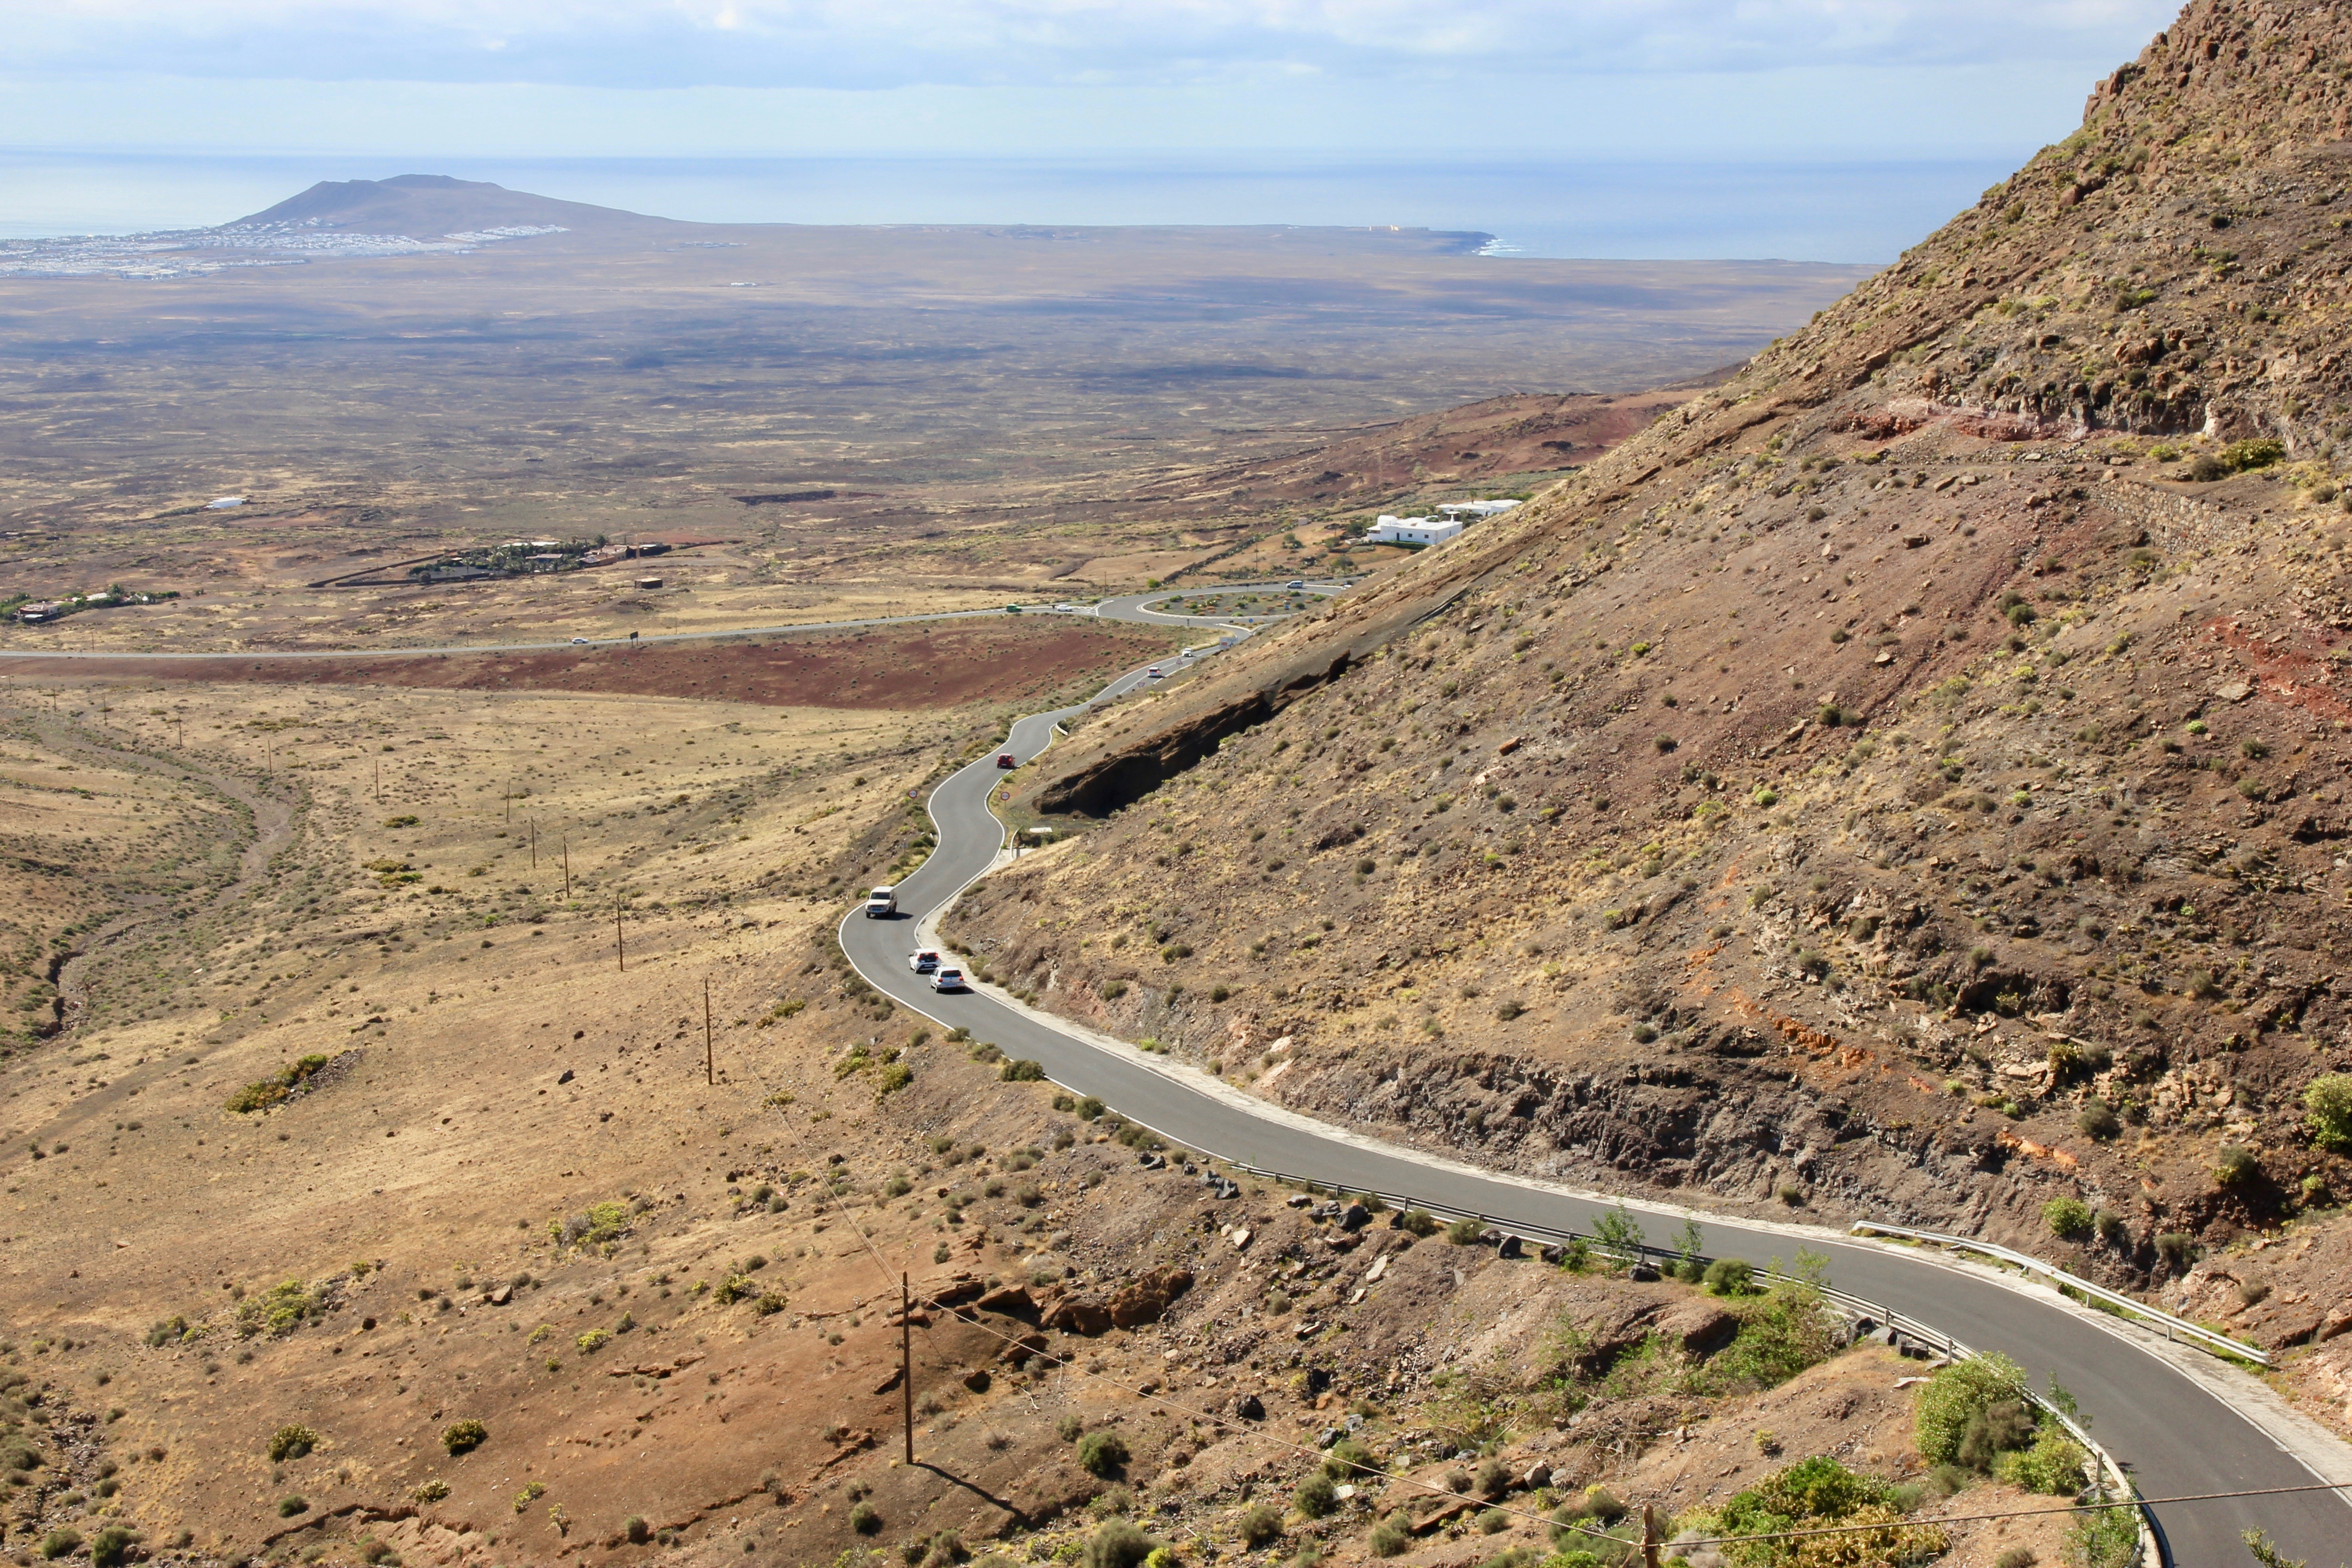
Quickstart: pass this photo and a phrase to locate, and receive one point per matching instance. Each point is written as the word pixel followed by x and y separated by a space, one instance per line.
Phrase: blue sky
pixel 1672 79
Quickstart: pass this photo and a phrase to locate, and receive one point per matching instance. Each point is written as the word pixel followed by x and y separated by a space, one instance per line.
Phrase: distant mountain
pixel 425 206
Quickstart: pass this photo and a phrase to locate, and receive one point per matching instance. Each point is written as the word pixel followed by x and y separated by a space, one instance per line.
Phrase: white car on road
pixel 946 979
pixel 923 963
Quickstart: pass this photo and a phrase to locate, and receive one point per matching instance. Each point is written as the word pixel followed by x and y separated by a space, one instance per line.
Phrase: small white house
pixel 1476 511
pixel 1414 531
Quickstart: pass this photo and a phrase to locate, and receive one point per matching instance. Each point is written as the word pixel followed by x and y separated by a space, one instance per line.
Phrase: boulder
pixel 1510 1247
pixel 1021 1349
pixel 1011 1301
pixel 1078 1315
pixel 1145 1298
pixel 1355 1216
pixel 1249 1407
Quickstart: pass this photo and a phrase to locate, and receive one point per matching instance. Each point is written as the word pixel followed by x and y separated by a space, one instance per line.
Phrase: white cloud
pixel 868 43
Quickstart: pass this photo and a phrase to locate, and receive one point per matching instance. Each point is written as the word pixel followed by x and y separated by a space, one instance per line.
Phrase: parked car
pixel 881 903
pixel 944 979
pixel 1004 759
pixel 923 963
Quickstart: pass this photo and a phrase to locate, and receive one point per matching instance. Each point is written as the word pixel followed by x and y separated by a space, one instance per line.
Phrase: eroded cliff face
pixel 1907 780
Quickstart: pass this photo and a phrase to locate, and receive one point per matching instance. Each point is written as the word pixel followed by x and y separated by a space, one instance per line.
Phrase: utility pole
pixel 379 780
pixel 567 869
pixel 710 1070
pixel 619 946
pixel 534 844
pixel 907 1365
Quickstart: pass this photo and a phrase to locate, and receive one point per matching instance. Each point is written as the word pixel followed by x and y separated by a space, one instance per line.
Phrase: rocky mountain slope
pixel 1907 779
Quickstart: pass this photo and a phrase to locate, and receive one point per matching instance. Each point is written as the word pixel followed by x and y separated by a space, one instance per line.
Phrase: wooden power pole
pixel 710 1070
pixel 567 869
pixel 906 1364
pixel 620 946
pixel 1649 1536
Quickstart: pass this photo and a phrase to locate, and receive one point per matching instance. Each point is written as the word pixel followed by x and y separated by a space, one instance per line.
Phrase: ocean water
pixel 1847 212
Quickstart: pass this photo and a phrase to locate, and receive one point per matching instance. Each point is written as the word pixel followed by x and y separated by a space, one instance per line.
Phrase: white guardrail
pixel 2174 1328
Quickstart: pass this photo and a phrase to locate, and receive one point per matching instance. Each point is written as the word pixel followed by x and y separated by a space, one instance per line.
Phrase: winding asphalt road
pixel 2175 1435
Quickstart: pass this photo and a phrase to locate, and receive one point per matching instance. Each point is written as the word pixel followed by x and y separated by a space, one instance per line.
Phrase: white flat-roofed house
pixel 1476 511
pixel 1417 531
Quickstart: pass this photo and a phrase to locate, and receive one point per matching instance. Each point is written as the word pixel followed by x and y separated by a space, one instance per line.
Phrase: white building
pixel 1476 511
pixel 1414 530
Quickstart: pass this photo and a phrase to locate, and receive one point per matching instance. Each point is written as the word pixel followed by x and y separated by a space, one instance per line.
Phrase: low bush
pixel 2327 1110
pixel 1731 1277
pixel 288 1506
pixel 1349 1460
pixel 1391 1537
pixel 1464 1232
pixel 2055 1464
pixel 111 1547
pixel 2069 1217
pixel 635 1527
pixel 1819 1492
pixel 1102 1453
pixel 1021 1071
pixel 1956 1402
pixel 1315 1496
pixel 290 1442
pixel 866 1519
pixel 1259 1525
pixel 464 1437
pixel 1419 1222
pixel 2098 1120
pixel 1119 1543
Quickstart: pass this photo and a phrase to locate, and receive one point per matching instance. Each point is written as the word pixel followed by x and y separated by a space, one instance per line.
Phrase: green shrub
pixel 433 1490
pixel 1315 1496
pixel 2098 1120
pixel 1493 1521
pixel 464 1437
pixel 1818 1492
pixel 1090 1109
pixel 1021 1071
pixel 59 1542
pixel 1959 1397
pixel 2068 1218
pixel 288 1506
pixel 291 1442
pixel 111 1547
pixel 1731 1277
pixel 635 1527
pixel 1780 1334
pixel 167 1330
pixel 2055 1464
pixel 1466 1232
pixel 866 1519
pixel 2327 1110
pixel 1119 1543
pixel 1393 1537
pixel 1260 1524
pixel 1419 1222
pixel 1102 1453
pixel 2235 1163
pixel 1349 1459
pixel 2108 1538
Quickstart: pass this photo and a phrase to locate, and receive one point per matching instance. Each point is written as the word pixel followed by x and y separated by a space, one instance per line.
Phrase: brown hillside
pixel 1897 781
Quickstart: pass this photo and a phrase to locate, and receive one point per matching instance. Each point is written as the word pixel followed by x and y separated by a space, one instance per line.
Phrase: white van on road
pixel 881 903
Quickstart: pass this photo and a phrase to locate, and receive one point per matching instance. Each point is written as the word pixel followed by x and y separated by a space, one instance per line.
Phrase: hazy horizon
pixel 1804 211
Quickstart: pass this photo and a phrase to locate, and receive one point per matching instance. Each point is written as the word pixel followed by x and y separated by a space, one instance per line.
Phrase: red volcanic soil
pixel 937 666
